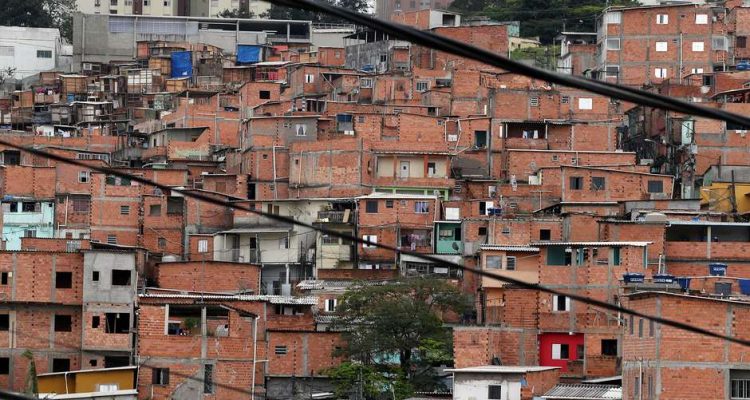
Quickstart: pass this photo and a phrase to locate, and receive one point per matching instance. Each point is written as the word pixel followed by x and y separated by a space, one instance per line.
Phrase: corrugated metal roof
pixel 499 369
pixel 306 300
pixel 584 392
pixel 592 244
pixel 497 247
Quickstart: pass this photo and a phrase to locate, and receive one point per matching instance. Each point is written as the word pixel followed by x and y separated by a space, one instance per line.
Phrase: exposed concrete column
pixel 708 241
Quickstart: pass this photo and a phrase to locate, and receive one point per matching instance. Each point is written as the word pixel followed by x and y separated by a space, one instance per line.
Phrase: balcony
pixel 339 252
pixel 449 247
pixel 336 217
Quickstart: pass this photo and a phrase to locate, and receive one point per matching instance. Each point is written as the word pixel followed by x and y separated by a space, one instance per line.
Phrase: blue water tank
pixel 684 283
pixel 717 269
pixel 743 66
pixel 663 278
pixel 182 64
pixel 633 277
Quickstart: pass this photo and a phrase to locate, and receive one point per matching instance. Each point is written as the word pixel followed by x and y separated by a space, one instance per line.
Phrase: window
pixel 708 80
pixel 120 277
pixel 576 182
pixel 612 71
pixel 117 323
pixel 696 70
pixel 560 303
pixel 597 183
pixel 740 42
pixel 614 17
pixel 365 83
pixel 309 78
pixel 107 387
pixel 482 231
pixel 81 205
pixel 740 389
pixel 389 204
pixel 510 263
pixel 661 46
pixel 154 210
pixel 545 234
pixel 493 262
pixel 63 323
pixel 640 327
pixel 284 243
pixel 701 19
pixel 369 238
pixel 615 256
pixel 631 323
pixel 60 364
pixel 280 350
pixel 585 103
pixel 4 322
pixel 655 187
pixel 124 210
pixel 44 54
pixel 480 139
pixel 264 94
pixel 660 73
pixel 613 44
pixel 30 206
pixel 651 328
pixel 7 51
pixel 719 43
pixel 29 233
pixel 111 239
pixel 95 276
pixel 371 206
pixel 506 230
pixel 534 101
pixel 4 365
pixel 495 392
pixel 203 246
pixel 95 321
pixel 662 19
pixel 83 176
pixel 421 207
pixel 3 278
pixel 63 280
pixel 383 58
pixel 162 243
pixel 208 378
pixel 697 46
pixel 609 347
pixel 174 205
pixel 560 351
pixel 422 86
pixel 330 305
pixel 160 376
pixel 565 99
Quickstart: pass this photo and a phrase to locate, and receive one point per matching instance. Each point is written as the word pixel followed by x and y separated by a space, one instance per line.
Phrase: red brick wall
pixel 196 276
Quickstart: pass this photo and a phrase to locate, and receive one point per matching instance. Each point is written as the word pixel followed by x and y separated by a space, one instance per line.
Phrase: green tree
pixel 237 13
pixel 278 12
pixel 39 14
pixel 400 325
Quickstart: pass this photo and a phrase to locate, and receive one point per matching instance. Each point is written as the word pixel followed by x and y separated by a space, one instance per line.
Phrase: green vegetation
pixel 40 14
pixel 542 18
pixel 543 56
pixel 395 336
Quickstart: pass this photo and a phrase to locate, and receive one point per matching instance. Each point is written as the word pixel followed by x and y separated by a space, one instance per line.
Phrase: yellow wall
pixel 717 197
pixel 87 381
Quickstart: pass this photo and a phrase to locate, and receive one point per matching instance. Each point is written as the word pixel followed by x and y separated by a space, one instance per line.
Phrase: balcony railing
pixel 335 217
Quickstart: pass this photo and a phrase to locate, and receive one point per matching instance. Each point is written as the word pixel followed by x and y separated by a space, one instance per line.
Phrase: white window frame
pixel 421 207
pixel 698 46
pixel 661 47
pixel 696 71
pixel 612 41
pixel 701 19
pixel 83 176
pixel 107 387
pixel 369 238
pixel 607 74
pixel 284 243
pixel 585 103
pixel 309 78
pixel 423 86
pixel 660 73
pixel 613 17
pixel 203 246
pixel 330 305
pixel 662 19
pixel 124 210
pixel 511 260
pixel 557 351
pixel 365 83
pixel 555 302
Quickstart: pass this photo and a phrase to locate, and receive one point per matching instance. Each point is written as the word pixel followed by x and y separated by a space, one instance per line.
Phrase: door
pixel 137 7
pixel 404 170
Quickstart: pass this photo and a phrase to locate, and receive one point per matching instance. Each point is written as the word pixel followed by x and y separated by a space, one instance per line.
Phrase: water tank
pixel 655 217
pixel 717 269
pixel 169 258
pixel 663 278
pixel 743 66
pixel 633 277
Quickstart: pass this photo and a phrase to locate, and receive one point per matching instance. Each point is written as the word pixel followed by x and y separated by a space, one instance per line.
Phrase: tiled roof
pixel 584 392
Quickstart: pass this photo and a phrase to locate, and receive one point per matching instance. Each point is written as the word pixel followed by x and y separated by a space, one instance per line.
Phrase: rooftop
pixel 584 392
pixel 499 369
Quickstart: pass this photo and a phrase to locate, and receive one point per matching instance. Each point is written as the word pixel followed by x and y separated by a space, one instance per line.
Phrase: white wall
pixel 19 45
pixel 475 386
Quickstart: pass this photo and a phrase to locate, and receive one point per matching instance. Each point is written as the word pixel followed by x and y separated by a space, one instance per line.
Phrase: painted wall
pixel 16 223
pixel 546 340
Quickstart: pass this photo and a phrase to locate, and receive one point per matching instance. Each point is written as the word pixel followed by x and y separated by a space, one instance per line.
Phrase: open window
pixel 117 323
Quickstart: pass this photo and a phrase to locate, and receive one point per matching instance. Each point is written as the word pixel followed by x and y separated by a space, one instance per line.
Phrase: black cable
pixel 455 47
pixel 427 257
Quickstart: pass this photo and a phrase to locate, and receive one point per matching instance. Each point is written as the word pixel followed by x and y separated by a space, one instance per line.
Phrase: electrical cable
pixel 427 257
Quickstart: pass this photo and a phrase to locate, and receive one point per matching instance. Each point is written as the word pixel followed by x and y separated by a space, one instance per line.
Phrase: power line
pixel 427 257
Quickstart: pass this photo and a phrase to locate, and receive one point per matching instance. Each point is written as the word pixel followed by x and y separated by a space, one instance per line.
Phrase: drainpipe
pixel 255 356
pixel 66 381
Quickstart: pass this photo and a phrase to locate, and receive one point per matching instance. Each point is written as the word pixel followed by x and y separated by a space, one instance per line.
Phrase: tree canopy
pixel 542 18
pixel 39 14
pixel 397 330
pixel 277 12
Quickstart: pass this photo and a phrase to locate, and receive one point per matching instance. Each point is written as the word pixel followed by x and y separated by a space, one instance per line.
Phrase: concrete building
pixel 29 50
pixel 27 217
pixel 502 382
pixel 89 384
pixel 102 38
pixel 159 8
pixel 384 9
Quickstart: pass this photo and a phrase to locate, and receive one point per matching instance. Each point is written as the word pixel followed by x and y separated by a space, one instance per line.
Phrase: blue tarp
pixel 182 64
pixel 745 286
pixel 248 54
